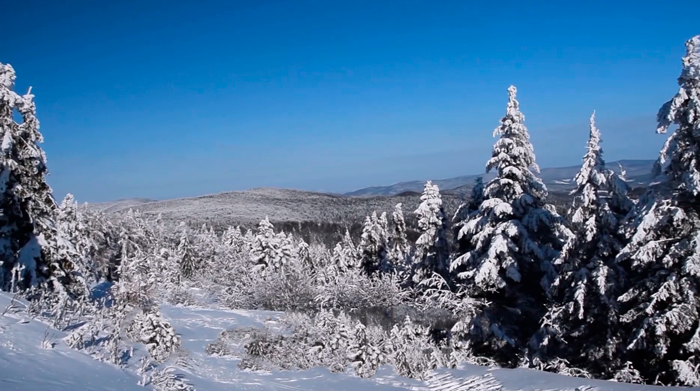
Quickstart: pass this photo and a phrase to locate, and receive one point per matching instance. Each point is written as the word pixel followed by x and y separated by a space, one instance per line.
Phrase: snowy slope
pixel 25 366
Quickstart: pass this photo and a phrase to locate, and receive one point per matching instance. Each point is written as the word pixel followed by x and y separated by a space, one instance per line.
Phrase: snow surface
pixel 26 366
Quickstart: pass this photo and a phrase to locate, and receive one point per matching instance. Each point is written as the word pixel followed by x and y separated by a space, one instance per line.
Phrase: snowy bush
pixel 167 380
pixel 159 337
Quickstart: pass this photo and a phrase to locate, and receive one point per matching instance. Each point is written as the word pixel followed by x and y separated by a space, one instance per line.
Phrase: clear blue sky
pixel 166 99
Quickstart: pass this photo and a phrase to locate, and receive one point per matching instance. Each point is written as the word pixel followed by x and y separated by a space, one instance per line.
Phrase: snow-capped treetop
pixel 7 76
pixel 384 223
pixel 677 160
pixel 514 158
pixel 187 259
pixel 598 190
pixel 68 206
pixel 397 218
pixel 399 246
pixel 270 251
pixel 373 243
pixel 593 166
pixel 232 236
pixel 432 250
pixel 348 243
pixel 430 210
pixel 691 62
pixel 265 227
pixel 399 243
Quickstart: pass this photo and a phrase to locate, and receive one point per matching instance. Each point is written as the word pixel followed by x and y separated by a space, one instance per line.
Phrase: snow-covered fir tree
pixel 270 251
pixel 581 324
pixel 373 246
pixel 206 241
pixel 510 245
pixel 432 249
pixel 400 248
pixel 248 239
pixel 660 312
pixel 365 357
pixel 286 251
pixel 233 238
pixel 70 222
pixel 188 260
pixel 301 251
pixel 350 248
pixel 411 349
pixel 344 255
pixel 150 329
pixel 334 333
pixel 32 249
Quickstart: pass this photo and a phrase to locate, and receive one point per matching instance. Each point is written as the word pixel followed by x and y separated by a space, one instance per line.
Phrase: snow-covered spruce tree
pixel 509 246
pixel 285 252
pixel 150 329
pixel 350 250
pixel 167 379
pixel 411 350
pixel 233 238
pixel 70 221
pixel 373 245
pixel 581 324
pixel 301 251
pixel 333 335
pixel 365 356
pixel 661 310
pixel 270 251
pixel 248 239
pixel 206 241
pixel 432 249
pixel 103 232
pixel 343 257
pixel 32 249
pixel 188 261
pixel 400 248
pixel 340 259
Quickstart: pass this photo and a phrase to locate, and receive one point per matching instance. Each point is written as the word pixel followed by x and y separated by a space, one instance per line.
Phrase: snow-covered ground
pixel 26 366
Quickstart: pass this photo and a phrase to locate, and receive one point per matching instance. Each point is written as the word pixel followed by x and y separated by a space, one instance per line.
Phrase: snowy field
pixel 26 366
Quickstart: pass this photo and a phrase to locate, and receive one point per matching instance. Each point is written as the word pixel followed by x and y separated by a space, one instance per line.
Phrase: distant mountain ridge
pixel 556 178
pixel 114 206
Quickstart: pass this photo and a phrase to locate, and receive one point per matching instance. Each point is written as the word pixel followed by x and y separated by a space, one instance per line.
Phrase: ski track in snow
pixel 25 366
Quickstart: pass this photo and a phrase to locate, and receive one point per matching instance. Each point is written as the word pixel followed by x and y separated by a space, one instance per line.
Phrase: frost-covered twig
pixel 12 303
pixel 48 341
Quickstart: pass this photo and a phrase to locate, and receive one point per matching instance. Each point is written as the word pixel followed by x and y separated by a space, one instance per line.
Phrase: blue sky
pixel 165 99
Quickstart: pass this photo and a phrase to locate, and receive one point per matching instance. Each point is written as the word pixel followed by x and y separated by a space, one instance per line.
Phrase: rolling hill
pixel 556 179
